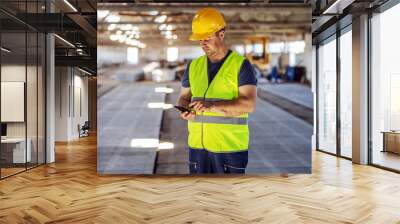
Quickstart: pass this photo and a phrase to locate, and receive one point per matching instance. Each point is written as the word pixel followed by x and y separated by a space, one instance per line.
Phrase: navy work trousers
pixel 202 161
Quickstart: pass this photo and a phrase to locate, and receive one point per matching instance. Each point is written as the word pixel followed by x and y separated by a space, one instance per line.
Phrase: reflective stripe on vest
pixel 212 131
pixel 221 120
pixel 208 99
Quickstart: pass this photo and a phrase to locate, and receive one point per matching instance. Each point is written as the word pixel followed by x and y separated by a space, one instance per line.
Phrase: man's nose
pixel 203 42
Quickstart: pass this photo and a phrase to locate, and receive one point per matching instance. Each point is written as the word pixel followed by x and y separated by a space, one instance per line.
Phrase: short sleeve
pixel 185 78
pixel 247 74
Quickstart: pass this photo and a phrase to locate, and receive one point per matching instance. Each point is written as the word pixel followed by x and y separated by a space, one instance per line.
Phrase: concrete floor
pixel 174 129
pixel 296 99
pixel 279 141
pixel 124 117
pixel 294 92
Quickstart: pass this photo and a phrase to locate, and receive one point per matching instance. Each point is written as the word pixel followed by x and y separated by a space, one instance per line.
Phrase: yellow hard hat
pixel 205 23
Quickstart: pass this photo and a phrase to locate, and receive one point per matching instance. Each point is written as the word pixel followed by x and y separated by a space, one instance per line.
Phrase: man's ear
pixel 221 34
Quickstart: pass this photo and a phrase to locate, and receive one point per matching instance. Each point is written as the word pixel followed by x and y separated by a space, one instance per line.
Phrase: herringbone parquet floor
pixel 70 191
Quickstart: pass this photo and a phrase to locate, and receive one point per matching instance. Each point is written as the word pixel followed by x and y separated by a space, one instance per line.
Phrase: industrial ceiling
pixel 158 23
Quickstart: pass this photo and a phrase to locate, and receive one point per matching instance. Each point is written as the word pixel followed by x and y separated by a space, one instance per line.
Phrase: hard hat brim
pixel 200 36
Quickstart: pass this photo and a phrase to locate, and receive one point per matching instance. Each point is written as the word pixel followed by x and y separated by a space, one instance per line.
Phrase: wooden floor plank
pixel 70 191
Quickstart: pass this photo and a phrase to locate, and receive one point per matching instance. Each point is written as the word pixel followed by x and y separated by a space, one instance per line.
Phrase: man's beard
pixel 209 52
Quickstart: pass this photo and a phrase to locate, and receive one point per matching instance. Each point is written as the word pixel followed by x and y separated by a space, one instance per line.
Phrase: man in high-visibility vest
pixel 220 88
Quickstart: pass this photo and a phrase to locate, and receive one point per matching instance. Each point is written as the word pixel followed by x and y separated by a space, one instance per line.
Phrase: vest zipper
pixel 202 119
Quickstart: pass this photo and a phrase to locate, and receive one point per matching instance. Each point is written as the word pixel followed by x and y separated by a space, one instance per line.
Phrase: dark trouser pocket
pixel 232 169
pixel 235 162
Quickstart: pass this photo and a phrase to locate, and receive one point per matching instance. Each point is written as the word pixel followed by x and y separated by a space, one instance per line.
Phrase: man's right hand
pixel 184 101
pixel 188 115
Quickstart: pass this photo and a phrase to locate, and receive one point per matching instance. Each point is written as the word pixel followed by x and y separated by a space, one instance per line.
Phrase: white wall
pixel 13 73
pixel 274 60
pixel 16 73
pixel 80 83
pixel 33 126
pixel 62 81
pixel 69 82
pixel 152 54
pixel 190 52
pixel 184 52
pixel 111 54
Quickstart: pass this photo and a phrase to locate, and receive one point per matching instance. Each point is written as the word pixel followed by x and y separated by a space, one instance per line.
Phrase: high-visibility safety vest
pixel 213 131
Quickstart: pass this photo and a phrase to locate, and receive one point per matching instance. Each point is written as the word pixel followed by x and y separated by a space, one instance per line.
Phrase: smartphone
pixel 182 109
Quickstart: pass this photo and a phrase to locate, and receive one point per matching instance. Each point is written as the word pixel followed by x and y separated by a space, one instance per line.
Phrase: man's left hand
pixel 200 106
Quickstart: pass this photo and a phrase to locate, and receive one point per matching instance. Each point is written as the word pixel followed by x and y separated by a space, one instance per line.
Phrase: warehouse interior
pixel 147 45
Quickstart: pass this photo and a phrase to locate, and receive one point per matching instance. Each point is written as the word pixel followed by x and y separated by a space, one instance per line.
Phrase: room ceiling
pixel 74 22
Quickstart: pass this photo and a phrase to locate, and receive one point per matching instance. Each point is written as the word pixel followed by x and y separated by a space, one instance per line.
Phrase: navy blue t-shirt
pixel 247 74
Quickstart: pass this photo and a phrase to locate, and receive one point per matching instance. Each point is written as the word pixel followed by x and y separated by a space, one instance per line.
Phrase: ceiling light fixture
pixel 126 27
pixel 65 41
pixel 129 41
pixel 122 38
pixel 86 72
pixel 167 33
pixel 153 13
pixel 102 13
pixel 5 49
pixel 337 7
pixel 70 5
pixel 172 37
pixel 112 27
pixel 162 26
pixel 160 19
pixel 114 37
pixel 113 19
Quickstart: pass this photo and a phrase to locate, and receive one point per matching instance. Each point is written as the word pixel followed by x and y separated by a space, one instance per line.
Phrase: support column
pixel 92 100
pixel 315 92
pixel 50 99
pixel 360 90
pixel 50 92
